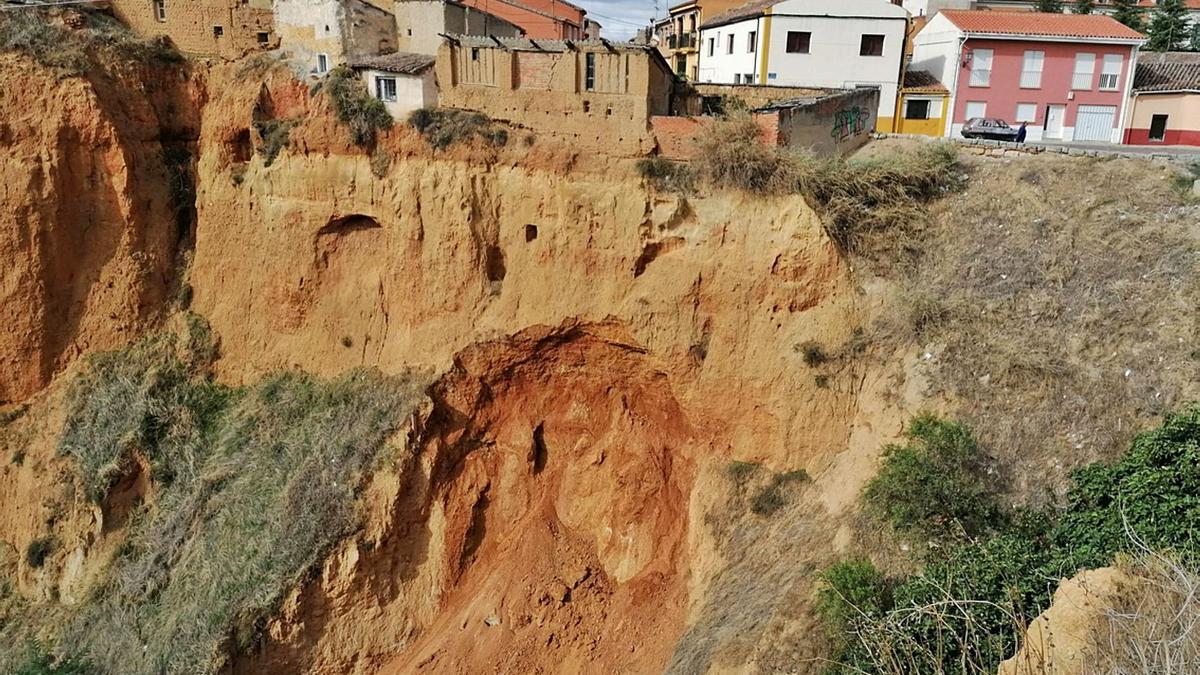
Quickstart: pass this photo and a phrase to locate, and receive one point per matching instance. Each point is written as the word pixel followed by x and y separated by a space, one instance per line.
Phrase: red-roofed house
pixel 1067 75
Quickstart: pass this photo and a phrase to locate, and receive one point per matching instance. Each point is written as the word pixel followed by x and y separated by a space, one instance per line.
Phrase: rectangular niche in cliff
pixel 530 233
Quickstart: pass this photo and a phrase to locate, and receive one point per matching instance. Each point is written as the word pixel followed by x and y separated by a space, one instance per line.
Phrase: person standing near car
pixel 1021 133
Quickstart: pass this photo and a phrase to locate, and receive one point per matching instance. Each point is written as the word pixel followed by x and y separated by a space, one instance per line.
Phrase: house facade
pixel 1067 76
pixel 318 35
pixel 600 94
pixel 403 81
pixel 679 34
pixel 224 28
pixel 421 23
pixel 539 19
pixel 923 105
pixel 1166 100
pixel 818 43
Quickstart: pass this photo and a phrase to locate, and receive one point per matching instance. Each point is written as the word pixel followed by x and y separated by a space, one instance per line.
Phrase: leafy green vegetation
pixel 444 127
pixel 937 484
pixel 354 106
pixel 852 591
pixel 964 611
pixel 37 661
pixel 275 135
pixel 253 488
pixel 772 497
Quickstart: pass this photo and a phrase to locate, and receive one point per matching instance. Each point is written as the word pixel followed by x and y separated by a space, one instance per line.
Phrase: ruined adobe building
pixel 318 35
pixel 421 23
pixel 599 94
pixel 225 28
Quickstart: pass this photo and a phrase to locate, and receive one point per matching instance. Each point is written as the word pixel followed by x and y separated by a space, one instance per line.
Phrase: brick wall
pixel 191 25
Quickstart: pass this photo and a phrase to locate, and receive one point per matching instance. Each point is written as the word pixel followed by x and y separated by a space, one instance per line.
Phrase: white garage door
pixel 1095 123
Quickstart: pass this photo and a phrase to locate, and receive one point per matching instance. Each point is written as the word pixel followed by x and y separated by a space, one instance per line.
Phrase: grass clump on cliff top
pixel 665 174
pixel 252 487
pixel 71 40
pixel 354 106
pixel 965 610
pixel 854 197
pixel 443 127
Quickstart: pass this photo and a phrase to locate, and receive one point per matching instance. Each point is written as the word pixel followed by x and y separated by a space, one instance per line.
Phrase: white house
pixel 809 43
pixel 403 81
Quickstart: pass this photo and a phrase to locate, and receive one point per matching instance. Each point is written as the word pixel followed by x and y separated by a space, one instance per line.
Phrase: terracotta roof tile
pixel 396 62
pixel 1168 71
pixel 1039 24
pixel 922 81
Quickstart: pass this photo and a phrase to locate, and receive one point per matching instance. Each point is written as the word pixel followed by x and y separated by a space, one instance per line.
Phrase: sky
pixel 620 19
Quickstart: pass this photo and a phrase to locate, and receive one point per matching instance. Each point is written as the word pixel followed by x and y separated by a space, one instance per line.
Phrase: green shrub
pixel 254 487
pixel 13 414
pixel 814 354
pixel 354 106
pixel 966 609
pixel 852 593
pixel 443 127
pixel 771 497
pixel 38 550
pixel 275 136
pixel 665 174
pixel 937 484
pixel 739 471
pixel 38 661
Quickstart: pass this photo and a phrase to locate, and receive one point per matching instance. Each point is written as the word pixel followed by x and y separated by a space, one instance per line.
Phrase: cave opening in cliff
pixel 493 263
pixel 531 233
pixel 351 223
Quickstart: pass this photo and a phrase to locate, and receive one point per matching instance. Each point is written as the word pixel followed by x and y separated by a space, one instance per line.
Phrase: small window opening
pixel 264 38
pixel 531 233
pixel 218 31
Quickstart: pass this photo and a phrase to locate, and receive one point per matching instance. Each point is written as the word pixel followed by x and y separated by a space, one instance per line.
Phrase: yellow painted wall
pixel 931 127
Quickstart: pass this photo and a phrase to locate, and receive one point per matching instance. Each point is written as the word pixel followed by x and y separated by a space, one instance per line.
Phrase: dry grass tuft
pixel 92 38
pixel 1056 299
pixel 855 198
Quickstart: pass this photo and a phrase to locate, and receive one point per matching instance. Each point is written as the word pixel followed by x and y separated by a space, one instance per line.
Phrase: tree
pixel 1169 28
pixel 1128 13
pixel 1084 6
pixel 1051 6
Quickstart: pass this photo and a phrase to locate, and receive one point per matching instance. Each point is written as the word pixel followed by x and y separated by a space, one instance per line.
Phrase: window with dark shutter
pixel 872 45
pixel 798 41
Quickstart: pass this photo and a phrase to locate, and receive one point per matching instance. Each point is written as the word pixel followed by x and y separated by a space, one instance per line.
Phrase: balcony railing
pixel 685 41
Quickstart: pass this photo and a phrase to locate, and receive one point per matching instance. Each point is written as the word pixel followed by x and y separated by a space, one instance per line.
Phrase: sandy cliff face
pixel 600 345
pixel 88 230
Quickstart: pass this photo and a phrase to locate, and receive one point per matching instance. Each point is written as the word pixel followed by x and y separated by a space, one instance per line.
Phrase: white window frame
pixel 381 92
pixel 1031 69
pixel 322 64
pixel 1031 117
pixel 1085 71
pixel 160 10
pixel 1110 72
pixel 981 76
pixel 928 108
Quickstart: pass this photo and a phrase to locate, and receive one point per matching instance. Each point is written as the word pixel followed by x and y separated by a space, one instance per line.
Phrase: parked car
pixel 989 127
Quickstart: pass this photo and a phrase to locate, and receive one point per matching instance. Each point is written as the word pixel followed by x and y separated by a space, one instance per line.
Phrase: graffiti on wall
pixel 849 122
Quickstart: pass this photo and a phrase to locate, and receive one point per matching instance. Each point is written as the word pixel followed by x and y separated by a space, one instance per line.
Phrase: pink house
pixel 1068 76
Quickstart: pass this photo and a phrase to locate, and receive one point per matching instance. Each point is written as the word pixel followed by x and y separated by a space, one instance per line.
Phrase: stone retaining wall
pixel 979 146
